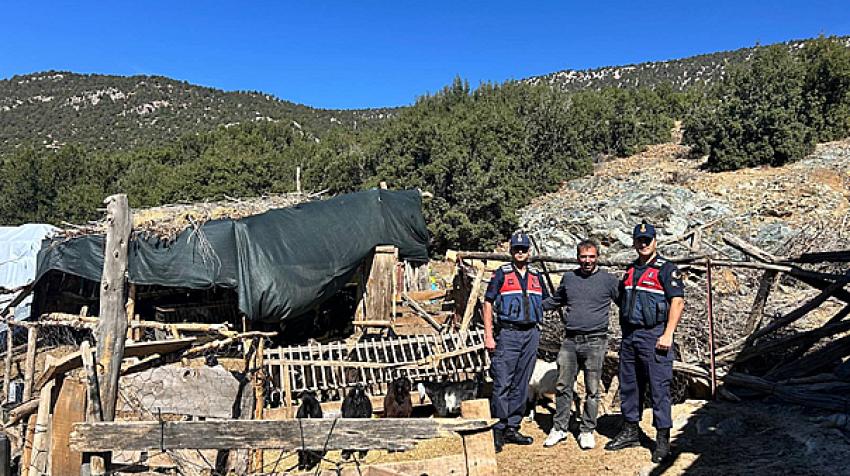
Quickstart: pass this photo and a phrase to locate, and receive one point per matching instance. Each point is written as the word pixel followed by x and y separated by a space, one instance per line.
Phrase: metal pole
pixel 710 327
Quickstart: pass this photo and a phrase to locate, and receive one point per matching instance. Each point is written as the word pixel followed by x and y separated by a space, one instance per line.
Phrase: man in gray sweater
pixel 587 293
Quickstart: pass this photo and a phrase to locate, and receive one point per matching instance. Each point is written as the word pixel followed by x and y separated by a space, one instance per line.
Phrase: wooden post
pixel 93 463
pixel 479 449
pixel 133 333
pixel 378 299
pixel 41 435
pixel 259 398
pixel 8 364
pixel 29 365
pixel 470 305
pixel 112 327
pixel 5 455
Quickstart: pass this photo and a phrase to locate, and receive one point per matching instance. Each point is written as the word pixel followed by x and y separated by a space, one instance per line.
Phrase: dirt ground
pixel 709 438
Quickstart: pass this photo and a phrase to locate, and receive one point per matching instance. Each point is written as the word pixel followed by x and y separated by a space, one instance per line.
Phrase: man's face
pixel 587 259
pixel 645 246
pixel 520 254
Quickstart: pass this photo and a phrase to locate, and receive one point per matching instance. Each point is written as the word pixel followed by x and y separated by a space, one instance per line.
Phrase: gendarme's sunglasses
pixel 520 250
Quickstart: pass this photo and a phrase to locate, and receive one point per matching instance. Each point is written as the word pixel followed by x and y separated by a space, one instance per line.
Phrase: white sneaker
pixel 586 441
pixel 555 436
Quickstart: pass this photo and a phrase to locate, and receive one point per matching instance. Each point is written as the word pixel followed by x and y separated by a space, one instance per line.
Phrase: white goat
pixel 543 381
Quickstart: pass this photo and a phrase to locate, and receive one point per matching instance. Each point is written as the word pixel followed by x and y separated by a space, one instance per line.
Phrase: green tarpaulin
pixel 281 263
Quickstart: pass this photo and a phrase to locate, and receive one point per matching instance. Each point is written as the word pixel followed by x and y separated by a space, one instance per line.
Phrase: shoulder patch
pixel 507 268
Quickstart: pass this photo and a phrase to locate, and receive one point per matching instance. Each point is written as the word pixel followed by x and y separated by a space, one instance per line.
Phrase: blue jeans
pixel 585 353
pixel 511 366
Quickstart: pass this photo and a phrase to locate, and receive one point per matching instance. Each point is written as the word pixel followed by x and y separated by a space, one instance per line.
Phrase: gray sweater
pixel 587 300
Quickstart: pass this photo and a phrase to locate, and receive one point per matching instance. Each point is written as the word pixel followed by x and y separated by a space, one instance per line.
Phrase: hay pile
pixel 167 221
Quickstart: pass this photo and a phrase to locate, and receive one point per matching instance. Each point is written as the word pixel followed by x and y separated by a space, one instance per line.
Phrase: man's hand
pixel 664 342
pixel 489 343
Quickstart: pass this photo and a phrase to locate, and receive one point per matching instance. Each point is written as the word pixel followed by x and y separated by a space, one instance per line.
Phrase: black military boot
pixel 662 445
pixel 628 437
pixel 498 440
pixel 513 436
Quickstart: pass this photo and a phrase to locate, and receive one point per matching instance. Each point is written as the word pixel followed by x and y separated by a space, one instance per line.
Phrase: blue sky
pixel 351 54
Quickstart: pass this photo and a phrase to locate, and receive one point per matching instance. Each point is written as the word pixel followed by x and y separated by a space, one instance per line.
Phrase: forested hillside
pixel 53 109
pixel 679 74
pixel 483 153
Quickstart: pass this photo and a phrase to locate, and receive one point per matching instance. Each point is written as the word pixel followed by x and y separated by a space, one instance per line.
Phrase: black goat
pixel 309 408
pixel 397 403
pixel 356 405
pixel 447 396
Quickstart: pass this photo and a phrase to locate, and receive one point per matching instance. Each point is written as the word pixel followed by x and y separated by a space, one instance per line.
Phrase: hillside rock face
pixel 801 207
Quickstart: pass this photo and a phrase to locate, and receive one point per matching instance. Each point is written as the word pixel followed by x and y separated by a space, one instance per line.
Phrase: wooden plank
pixel 26 455
pixel 70 408
pixel 112 327
pixel 379 287
pixel 479 447
pixel 41 435
pixel 316 434
pixel 29 366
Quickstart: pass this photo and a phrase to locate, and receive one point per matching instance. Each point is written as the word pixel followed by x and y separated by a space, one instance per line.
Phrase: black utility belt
pixel 585 335
pixel 516 326
pixel 632 326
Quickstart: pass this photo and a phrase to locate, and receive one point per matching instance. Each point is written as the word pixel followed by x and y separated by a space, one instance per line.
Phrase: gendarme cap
pixel 520 239
pixel 644 230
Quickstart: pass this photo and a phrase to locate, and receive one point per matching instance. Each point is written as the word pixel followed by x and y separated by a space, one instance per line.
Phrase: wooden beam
pixel 804 309
pixel 7 368
pixel 820 358
pixel 788 393
pixel 136 349
pixel 469 311
pixel 112 327
pixel 286 435
pixel 130 309
pixel 22 411
pixel 821 257
pixel 478 447
pixel 421 312
pixel 792 340
pixel 766 284
pixel 29 366
pixel 93 464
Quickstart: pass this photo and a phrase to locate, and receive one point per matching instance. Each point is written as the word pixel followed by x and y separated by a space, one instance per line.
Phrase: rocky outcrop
pixel 800 207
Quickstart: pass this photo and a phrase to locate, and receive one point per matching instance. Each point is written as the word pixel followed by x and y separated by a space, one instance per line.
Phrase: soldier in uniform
pixel 651 304
pixel 513 308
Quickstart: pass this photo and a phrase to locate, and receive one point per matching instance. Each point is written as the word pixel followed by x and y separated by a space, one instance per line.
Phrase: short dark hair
pixel 585 244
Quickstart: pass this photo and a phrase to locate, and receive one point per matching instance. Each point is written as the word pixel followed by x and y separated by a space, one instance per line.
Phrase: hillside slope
pixel 123 112
pixel 681 74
